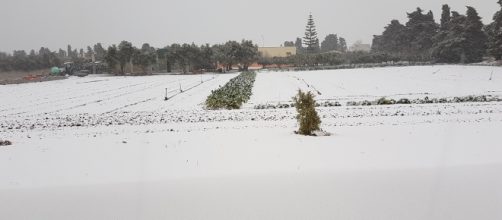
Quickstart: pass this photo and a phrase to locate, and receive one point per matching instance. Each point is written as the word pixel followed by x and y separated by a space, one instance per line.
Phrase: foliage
pixel 289 43
pixel 124 54
pixel 264 61
pixel 330 43
pixel 331 59
pixel 494 31
pixel 246 54
pixel 310 40
pixel 394 39
pixel 232 52
pixel 299 45
pixel 457 39
pixel 307 115
pixel 421 29
pixel 233 94
pixel 19 60
pixel 412 41
pixel 99 51
pixel 403 101
pixel 111 57
pixel 385 101
pixel 427 100
pixel 461 39
pixel 475 36
pixel 445 17
pixel 342 45
pixel 144 57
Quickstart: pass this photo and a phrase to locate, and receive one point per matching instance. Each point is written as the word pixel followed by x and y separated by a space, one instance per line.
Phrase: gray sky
pixel 30 24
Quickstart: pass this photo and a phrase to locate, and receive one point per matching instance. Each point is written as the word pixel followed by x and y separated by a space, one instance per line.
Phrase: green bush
pixel 233 94
pixel 307 116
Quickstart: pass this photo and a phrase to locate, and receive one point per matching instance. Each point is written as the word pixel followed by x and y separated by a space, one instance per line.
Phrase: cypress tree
pixel 445 17
pixel 394 39
pixel 342 45
pixel 421 29
pixel 476 38
pixel 494 31
pixel 463 41
pixel 449 45
pixel 299 45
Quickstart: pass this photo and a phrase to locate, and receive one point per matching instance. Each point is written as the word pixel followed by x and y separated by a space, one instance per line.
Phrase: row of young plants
pixel 387 101
pixel 233 94
pixel 427 100
pixel 293 105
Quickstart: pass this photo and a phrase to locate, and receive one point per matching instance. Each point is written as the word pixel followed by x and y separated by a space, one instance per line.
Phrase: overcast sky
pixel 27 24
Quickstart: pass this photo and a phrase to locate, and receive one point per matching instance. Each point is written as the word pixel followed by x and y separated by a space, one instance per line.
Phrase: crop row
pixel 233 94
pixel 386 101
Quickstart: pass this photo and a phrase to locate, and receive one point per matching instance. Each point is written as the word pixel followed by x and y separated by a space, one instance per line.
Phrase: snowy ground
pixel 370 84
pixel 112 148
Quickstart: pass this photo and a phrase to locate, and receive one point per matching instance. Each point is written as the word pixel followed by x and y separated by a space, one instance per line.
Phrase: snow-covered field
pixel 112 148
pixel 370 84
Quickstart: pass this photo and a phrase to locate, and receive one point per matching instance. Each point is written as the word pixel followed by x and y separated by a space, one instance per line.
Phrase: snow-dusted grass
pixel 112 148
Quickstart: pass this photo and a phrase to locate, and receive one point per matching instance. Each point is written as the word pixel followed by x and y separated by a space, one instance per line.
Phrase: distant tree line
pixel 44 58
pixel 20 60
pixel 456 39
pixel 126 57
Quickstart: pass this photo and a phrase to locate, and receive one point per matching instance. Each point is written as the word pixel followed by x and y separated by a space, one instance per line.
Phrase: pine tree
pixel 494 31
pixel 310 40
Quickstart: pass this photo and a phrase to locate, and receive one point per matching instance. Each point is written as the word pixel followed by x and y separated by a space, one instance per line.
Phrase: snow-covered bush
pixel 292 105
pixel 233 94
pixel 5 143
pixel 385 101
pixel 307 115
pixel 404 101
pixel 328 104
